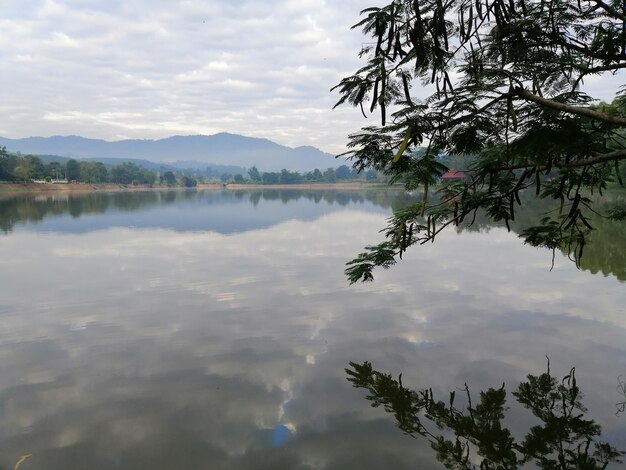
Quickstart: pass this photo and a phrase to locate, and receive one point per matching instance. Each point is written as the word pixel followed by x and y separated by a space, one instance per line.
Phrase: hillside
pixel 218 149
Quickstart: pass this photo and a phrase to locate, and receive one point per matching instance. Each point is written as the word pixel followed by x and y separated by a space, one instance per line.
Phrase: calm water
pixel 210 330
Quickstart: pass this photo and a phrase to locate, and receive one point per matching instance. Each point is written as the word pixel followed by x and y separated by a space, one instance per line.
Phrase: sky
pixel 150 69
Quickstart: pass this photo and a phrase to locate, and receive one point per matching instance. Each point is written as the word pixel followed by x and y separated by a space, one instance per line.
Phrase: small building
pixel 452 175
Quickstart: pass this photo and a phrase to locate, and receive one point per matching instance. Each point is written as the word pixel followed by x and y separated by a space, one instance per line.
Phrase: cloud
pixel 182 67
pixel 126 338
pixel 261 68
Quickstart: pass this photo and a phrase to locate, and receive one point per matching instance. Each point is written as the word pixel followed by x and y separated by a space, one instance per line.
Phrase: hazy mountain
pixel 218 149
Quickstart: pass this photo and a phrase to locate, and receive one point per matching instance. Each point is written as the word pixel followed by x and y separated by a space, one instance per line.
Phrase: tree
pixel 36 168
pixel 473 436
pixel 130 173
pixel 329 175
pixel 54 170
pixel 317 175
pixel 343 172
pixel 271 178
pixel 168 178
pixel 254 174
pixel 72 170
pixel 148 177
pixel 289 177
pixel 22 173
pixel 7 164
pixel 189 182
pixel 506 88
pixel 93 172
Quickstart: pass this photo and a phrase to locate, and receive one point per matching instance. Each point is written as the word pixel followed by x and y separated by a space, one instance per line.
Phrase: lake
pixel 211 329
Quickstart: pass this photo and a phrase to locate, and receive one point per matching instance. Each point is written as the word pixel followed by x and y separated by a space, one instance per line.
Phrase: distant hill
pixel 219 149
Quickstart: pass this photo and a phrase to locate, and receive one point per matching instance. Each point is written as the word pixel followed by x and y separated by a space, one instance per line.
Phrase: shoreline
pixel 27 188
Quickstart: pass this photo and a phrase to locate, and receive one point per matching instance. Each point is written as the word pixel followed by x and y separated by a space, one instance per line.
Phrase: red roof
pixel 453 175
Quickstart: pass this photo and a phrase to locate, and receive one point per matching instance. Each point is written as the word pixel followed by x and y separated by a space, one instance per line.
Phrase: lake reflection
pixel 197 330
pixel 219 211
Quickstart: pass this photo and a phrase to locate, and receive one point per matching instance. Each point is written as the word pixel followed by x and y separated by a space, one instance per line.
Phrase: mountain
pixel 218 149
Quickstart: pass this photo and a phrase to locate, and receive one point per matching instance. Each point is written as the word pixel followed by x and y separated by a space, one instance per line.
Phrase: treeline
pixel 16 168
pixel 330 175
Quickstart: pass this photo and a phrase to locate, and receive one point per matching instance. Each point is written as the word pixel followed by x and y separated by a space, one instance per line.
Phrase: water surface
pixel 202 329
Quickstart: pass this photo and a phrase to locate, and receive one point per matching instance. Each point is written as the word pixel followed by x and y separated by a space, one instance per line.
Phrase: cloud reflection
pixel 134 348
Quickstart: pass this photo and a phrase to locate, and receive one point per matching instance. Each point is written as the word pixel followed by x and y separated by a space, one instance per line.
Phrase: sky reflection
pixel 153 348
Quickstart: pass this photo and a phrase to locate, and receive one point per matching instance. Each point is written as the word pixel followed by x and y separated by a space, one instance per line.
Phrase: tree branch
pixel 609 9
pixel 567 108
pixel 605 68
pixel 607 157
pixel 598 158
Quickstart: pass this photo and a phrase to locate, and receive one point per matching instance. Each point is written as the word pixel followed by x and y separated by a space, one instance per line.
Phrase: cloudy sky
pixel 150 69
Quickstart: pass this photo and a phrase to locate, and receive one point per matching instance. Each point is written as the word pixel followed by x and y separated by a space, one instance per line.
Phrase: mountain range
pixel 193 150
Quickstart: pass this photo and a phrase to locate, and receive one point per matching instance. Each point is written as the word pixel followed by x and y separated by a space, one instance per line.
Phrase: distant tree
pixel 343 172
pixel 54 170
pixel 472 436
pixel 317 175
pixel 22 173
pixel 329 175
pixel 148 177
pixel 130 173
pixel 271 178
pixel 93 172
pixel 168 178
pixel 289 177
pixel 506 88
pixel 189 182
pixel 239 179
pixel 254 174
pixel 36 168
pixel 6 169
pixel 72 170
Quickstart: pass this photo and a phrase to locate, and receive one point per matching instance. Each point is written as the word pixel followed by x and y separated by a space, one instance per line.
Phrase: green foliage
pixel 507 106
pixel 254 174
pixel 7 165
pixel 72 170
pixel 93 172
pixel 330 175
pixel 168 178
pixel 562 440
pixel 18 168
pixel 189 182
pixel 289 177
pixel 130 173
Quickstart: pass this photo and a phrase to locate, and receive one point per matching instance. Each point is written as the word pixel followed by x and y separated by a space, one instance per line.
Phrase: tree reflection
pixel 621 387
pixel 34 208
pixel 603 251
pixel 473 436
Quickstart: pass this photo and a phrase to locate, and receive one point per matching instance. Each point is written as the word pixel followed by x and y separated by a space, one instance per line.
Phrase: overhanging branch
pixel 609 9
pixel 567 108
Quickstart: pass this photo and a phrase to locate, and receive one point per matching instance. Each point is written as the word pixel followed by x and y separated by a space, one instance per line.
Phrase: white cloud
pixel 260 68
pixel 152 69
